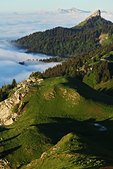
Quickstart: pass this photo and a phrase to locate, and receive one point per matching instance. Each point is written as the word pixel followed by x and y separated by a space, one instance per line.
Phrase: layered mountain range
pixel 63 118
pixel 77 13
pixel 88 36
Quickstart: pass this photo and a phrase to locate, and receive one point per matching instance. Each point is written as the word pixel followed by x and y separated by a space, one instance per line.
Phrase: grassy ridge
pixel 55 108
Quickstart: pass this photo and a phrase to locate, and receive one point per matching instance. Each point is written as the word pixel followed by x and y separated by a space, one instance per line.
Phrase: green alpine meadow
pixel 62 118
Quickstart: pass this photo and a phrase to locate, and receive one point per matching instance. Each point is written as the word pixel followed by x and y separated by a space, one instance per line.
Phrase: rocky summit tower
pixel 95 14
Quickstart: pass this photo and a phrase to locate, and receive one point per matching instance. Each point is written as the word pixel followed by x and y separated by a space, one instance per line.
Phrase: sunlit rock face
pixel 95 14
pixel 8 114
pixel 4 164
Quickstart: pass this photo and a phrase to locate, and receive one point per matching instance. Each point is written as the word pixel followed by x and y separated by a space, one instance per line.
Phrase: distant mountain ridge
pixel 74 10
pixel 80 11
pixel 66 42
pixel 77 13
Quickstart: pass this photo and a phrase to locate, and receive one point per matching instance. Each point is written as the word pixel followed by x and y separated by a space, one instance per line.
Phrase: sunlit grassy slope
pixel 52 110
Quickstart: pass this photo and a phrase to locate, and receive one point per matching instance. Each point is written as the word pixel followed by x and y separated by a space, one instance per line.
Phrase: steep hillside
pixel 56 107
pixel 65 154
pixel 63 118
pixel 66 42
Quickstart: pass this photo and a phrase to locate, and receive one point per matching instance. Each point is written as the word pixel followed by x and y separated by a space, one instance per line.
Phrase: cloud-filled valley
pixel 15 25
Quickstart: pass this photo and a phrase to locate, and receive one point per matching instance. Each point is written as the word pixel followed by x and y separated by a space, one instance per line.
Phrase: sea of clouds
pixel 16 25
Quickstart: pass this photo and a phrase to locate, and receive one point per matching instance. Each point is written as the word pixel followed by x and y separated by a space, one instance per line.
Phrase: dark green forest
pixel 5 90
pixel 67 42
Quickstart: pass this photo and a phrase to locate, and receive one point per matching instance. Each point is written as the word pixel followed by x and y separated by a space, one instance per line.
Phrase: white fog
pixel 15 25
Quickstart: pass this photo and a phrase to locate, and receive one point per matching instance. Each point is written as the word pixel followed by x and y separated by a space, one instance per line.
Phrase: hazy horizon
pixel 35 5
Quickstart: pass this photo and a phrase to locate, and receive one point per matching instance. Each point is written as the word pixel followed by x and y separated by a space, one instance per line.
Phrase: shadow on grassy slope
pixel 8 139
pixel 106 91
pixel 95 143
pixel 9 151
pixel 88 92
pixel 3 128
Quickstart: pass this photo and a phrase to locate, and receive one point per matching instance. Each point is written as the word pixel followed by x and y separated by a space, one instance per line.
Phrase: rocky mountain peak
pixel 95 14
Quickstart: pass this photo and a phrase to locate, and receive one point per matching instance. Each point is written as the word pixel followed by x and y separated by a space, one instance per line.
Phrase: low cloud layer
pixel 10 67
pixel 15 25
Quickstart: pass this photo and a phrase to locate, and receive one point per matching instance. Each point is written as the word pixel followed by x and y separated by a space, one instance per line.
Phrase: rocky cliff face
pixel 7 113
pixel 4 164
pixel 95 14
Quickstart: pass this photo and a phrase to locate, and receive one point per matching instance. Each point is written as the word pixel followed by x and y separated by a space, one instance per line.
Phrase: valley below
pixel 10 69
pixel 57 112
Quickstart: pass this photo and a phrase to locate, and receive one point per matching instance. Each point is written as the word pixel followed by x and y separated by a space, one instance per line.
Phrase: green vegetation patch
pixel 90 79
pixel 43 122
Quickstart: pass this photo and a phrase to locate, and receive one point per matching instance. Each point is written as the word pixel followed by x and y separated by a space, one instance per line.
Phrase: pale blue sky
pixel 35 5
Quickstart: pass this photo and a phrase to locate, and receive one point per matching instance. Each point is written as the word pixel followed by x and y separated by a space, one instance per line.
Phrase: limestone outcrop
pixel 7 113
pixel 95 14
pixel 4 164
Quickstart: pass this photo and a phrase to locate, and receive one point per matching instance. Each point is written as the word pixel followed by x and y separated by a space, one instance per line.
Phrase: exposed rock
pixel 43 155
pixel 4 164
pixel 95 14
pixel 100 127
pixel 49 94
pixel 103 37
pixel 7 114
pixel 70 95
